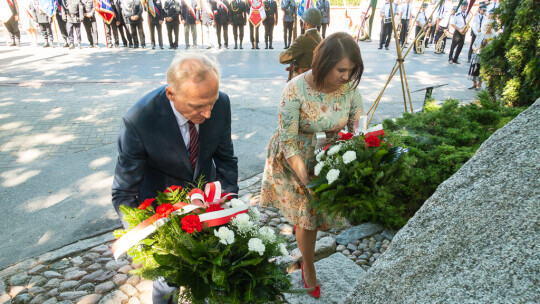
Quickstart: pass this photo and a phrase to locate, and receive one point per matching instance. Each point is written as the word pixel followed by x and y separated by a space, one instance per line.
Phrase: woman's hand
pixel 299 168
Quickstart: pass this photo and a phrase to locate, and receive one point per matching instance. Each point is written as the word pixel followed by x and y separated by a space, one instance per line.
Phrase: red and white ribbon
pixel 211 219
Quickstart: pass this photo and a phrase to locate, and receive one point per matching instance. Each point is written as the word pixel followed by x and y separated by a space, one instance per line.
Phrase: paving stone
pixel 37 281
pixel 68 285
pixel 91 256
pixel 65 302
pixel 120 279
pixel 53 292
pixel 19 279
pixel 91 277
pixel 36 290
pixel 22 299
pixel 87 287
pixel 39 299
pixel 37 270
pixel 77 261
pixel 133 280
pixel 15 290
pixel 146 297
pixel 114 297
pixel 70 269
pixel 19 267
pixel 103 260
pixel 89 299
pixel 71 295
pixel 107 254
pixel 104 287
pixel 104 276
pixel 264 218
pixel 129 290
pixel 53 283
pixel 134 301
pixel 75 275
pixel 93 267
pixel 2 287
pixel 115 265
pixel 125 269
pixel 52 274
pixel 62 264
pixel 100 248
pixel 144 286
pixel 51 301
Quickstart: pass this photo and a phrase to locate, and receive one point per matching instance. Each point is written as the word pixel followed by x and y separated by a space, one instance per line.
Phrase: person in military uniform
pixel 111 31
pixel 90 24
pixel 458 22
pixel 132 10
pixel 9 15
pixel 301 50
pixel 207 21
pixel 324 7
pixel 61 19
pixel 155 24
pixel 172 22
pixel 221 20
pixel 44 22
pixel 238 16
pixel 75 14
pixel 289 16
pixel 270 8
pixel 120 22
pixel 476 29
pixel 386 24
pixel 190 18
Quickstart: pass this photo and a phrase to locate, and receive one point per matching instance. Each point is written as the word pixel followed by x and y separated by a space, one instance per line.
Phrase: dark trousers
pixel 457 44
pixel 473 38
pixel 137 33
pixel 156 27
pixel 74 28
pixel 124 33
pixel 404 31
pixel 323 32
pixel 172 28
pixel 254 34
pixel 386 34
pixel 287 29
pixel 418 29
pixel 238 30
pixel 46 31
pixel 62 27
pixel 432 33
pixel 438 36
pixel 162 292
pixel 110 31
pixel 268 32
pixel 90 25
pixel 225 29
pixel 13 28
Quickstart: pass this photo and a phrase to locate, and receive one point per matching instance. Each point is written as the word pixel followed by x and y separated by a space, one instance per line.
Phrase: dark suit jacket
pixel 152 155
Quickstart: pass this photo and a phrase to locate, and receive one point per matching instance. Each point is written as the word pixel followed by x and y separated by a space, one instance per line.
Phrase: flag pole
pixel 55 30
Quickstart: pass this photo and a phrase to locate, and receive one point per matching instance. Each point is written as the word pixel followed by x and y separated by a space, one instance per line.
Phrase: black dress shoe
pixel 270 47
pixel 161 47
pixel 170 48
pixel 387 48
pixel 380 47
pixel 257 47
pixel 456 62
pixel 235 46
pixel 143 46
pixel 471 88
pixel 241 47
pixel 46 45
pixel 66 45
pixel 153 47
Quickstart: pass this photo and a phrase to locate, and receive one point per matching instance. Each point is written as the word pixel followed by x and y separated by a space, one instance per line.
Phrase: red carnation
pixel 345 136
pixel 146 203
pixel 213 207
pixel 373 141
pixel 190 223
pixel 164 210
pixel 172 189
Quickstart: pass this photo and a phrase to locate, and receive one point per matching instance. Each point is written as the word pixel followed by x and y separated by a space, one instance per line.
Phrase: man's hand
pixel 168 19
pixel 16 17
pixel 160 21
pixel 117 23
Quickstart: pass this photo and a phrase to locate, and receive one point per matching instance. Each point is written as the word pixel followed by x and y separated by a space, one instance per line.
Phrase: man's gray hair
pixel 192 66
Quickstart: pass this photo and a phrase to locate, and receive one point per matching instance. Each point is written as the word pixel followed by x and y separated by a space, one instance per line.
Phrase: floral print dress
pixel 304 111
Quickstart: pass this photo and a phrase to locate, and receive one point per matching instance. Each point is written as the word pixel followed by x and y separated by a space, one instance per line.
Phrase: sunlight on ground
pixel 11 125
pixel 6 104
pixel 95 182
pixel 46 201
pixel 99 162
pixel 247 136
pixel 28 156
pixel 7 115
pixel 16 177
pixel 234 137
pixel 44 238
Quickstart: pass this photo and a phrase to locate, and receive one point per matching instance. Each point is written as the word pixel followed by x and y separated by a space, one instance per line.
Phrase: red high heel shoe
pixel 316 293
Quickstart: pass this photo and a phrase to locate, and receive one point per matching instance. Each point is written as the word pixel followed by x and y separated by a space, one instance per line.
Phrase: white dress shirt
pixel 183 125
pixel 478 23
pixel 406 10
pixel 460 20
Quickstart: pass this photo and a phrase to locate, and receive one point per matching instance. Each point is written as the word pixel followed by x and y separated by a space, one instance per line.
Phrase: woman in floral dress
pixel 325 99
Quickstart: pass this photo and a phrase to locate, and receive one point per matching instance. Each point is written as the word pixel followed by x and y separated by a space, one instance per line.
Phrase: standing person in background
pixel 430 9
pixel 9 14
pixel 421 20
pixel 155 24
pixel 254 28
pixel 90 24
pixel 324 7
pixel 270 7
pixel 172 12
pixel 111 31
pixel 44 22
pixel 443 20
pixel 459 22
pixel 61 19
pixel 207 21
pixel 476 28
pixel 75 15
pixel 484 37
pixel 289 16
pixel 26 21
pixel 121 23
pixel 190 18
pixel 386 24
pixel 221 21
pixel 132 10
pixel 239 11
pixel 405 14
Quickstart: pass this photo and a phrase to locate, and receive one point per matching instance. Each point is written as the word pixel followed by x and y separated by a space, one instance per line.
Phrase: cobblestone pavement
pixel 90 275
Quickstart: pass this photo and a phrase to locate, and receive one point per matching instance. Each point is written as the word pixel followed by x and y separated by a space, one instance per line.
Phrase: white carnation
pixel 256 245
pixel 267 235
pixel 349 156
pixel 225 235
pixel 254 214
pixel 318 168
pixel 319 156
pixel 242 218
pixel 334 150
pixel 243 224
pixel 237 203
pixel 332 175
pixel 283 249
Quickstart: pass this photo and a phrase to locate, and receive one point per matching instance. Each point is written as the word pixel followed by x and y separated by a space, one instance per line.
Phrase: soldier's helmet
pixel 312 16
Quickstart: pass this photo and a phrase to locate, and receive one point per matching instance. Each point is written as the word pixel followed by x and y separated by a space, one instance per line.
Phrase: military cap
pixel 312 16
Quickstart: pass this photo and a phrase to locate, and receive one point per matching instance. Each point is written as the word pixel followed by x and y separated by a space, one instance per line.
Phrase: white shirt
pixel 183 125
pixel 492 6
pixel 422 18
pixel 444 14
pixel 478 23
pixel 385 10
pixel 460 19
pixel 406 10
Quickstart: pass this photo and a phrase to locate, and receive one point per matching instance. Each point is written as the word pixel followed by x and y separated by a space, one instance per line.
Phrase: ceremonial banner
pixel 256 14
pixel 303 6
pixel 220 3
pixel 104 9
pixel 47 6
pixel 151 7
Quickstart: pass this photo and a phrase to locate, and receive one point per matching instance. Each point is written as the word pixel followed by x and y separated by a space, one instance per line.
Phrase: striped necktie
pixel 193 144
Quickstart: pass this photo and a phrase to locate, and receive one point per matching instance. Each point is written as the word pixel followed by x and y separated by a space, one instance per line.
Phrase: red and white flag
pixel 256 14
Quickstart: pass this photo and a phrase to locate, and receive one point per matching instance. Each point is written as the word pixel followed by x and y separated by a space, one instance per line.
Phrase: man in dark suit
pixel 132 11
pixel 271 11
pixel 221 21
pixel 11 20
pixel 174 135
pixel 155 22
pixel 89 22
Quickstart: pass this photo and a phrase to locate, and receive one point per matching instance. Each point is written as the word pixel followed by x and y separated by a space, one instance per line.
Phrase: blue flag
pixel 304 5
pixel 47 6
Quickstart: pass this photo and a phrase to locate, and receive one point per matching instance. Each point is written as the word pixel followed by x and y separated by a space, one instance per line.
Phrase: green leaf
pixel 218 275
